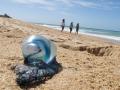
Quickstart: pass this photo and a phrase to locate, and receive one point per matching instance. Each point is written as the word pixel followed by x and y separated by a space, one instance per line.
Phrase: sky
pixel 104 14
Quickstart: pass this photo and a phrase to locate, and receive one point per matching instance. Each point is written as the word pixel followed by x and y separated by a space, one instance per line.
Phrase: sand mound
pixel 15 34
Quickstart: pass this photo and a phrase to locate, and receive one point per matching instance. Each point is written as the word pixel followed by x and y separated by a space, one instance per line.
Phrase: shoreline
pixel 103 37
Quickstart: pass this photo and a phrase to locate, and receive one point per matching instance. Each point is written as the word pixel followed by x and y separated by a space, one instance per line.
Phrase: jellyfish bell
pixel 30 49
pixel 37 48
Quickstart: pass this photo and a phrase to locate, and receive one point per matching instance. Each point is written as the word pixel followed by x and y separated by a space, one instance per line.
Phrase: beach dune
pixel 89 63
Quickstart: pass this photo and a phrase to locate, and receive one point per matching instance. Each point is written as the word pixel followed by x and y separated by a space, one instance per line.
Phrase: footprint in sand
pixel 58 40
pixel 74 48
pixel 97 51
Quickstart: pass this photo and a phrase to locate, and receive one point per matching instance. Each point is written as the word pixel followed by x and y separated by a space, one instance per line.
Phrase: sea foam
pixel 105 34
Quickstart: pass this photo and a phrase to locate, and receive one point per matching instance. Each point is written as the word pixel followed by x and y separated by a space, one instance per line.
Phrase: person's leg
pixel 77 31
pixel 70 30
pixel 62 28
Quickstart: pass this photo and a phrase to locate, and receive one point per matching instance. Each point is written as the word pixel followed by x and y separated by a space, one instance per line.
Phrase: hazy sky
pixel 90 13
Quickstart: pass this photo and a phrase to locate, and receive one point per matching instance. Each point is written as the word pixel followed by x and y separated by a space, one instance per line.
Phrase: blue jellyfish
pixel 38 49
pixel 39 61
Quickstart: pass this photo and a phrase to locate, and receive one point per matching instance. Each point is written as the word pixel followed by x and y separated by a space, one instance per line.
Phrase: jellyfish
pixel 37 49
pixel 39 61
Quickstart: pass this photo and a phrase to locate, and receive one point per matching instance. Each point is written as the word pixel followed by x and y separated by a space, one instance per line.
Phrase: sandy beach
pixel 88 63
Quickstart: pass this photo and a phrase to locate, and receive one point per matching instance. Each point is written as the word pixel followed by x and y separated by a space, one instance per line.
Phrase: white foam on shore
pixel 114 39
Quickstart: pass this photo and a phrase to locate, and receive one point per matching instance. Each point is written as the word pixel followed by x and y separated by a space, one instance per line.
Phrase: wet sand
pixel 89 63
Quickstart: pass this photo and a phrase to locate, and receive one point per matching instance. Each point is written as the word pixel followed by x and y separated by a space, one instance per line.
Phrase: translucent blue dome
pixel 36 48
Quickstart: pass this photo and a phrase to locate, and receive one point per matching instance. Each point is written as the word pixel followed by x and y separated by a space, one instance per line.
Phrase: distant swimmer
pixel 77 28
pixel 71 27
pixel 63 24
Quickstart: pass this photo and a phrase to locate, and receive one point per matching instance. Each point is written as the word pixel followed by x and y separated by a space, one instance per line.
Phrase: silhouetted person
pixel 71 26
pixel 63 24
pixel 77 28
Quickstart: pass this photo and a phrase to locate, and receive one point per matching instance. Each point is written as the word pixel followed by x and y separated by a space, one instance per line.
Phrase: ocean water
pixel 112 35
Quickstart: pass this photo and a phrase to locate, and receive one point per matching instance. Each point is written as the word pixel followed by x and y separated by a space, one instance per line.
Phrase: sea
pixel 111 35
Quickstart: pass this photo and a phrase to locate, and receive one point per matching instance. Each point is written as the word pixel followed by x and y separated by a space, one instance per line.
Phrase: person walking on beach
pixel 71 26
pixel 77 28
pixel 63 24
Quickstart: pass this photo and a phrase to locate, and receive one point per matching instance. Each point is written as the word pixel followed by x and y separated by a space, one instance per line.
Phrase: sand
pixel 89 63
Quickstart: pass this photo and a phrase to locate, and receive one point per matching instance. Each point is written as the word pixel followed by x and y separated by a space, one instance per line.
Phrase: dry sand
pixel 88 63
